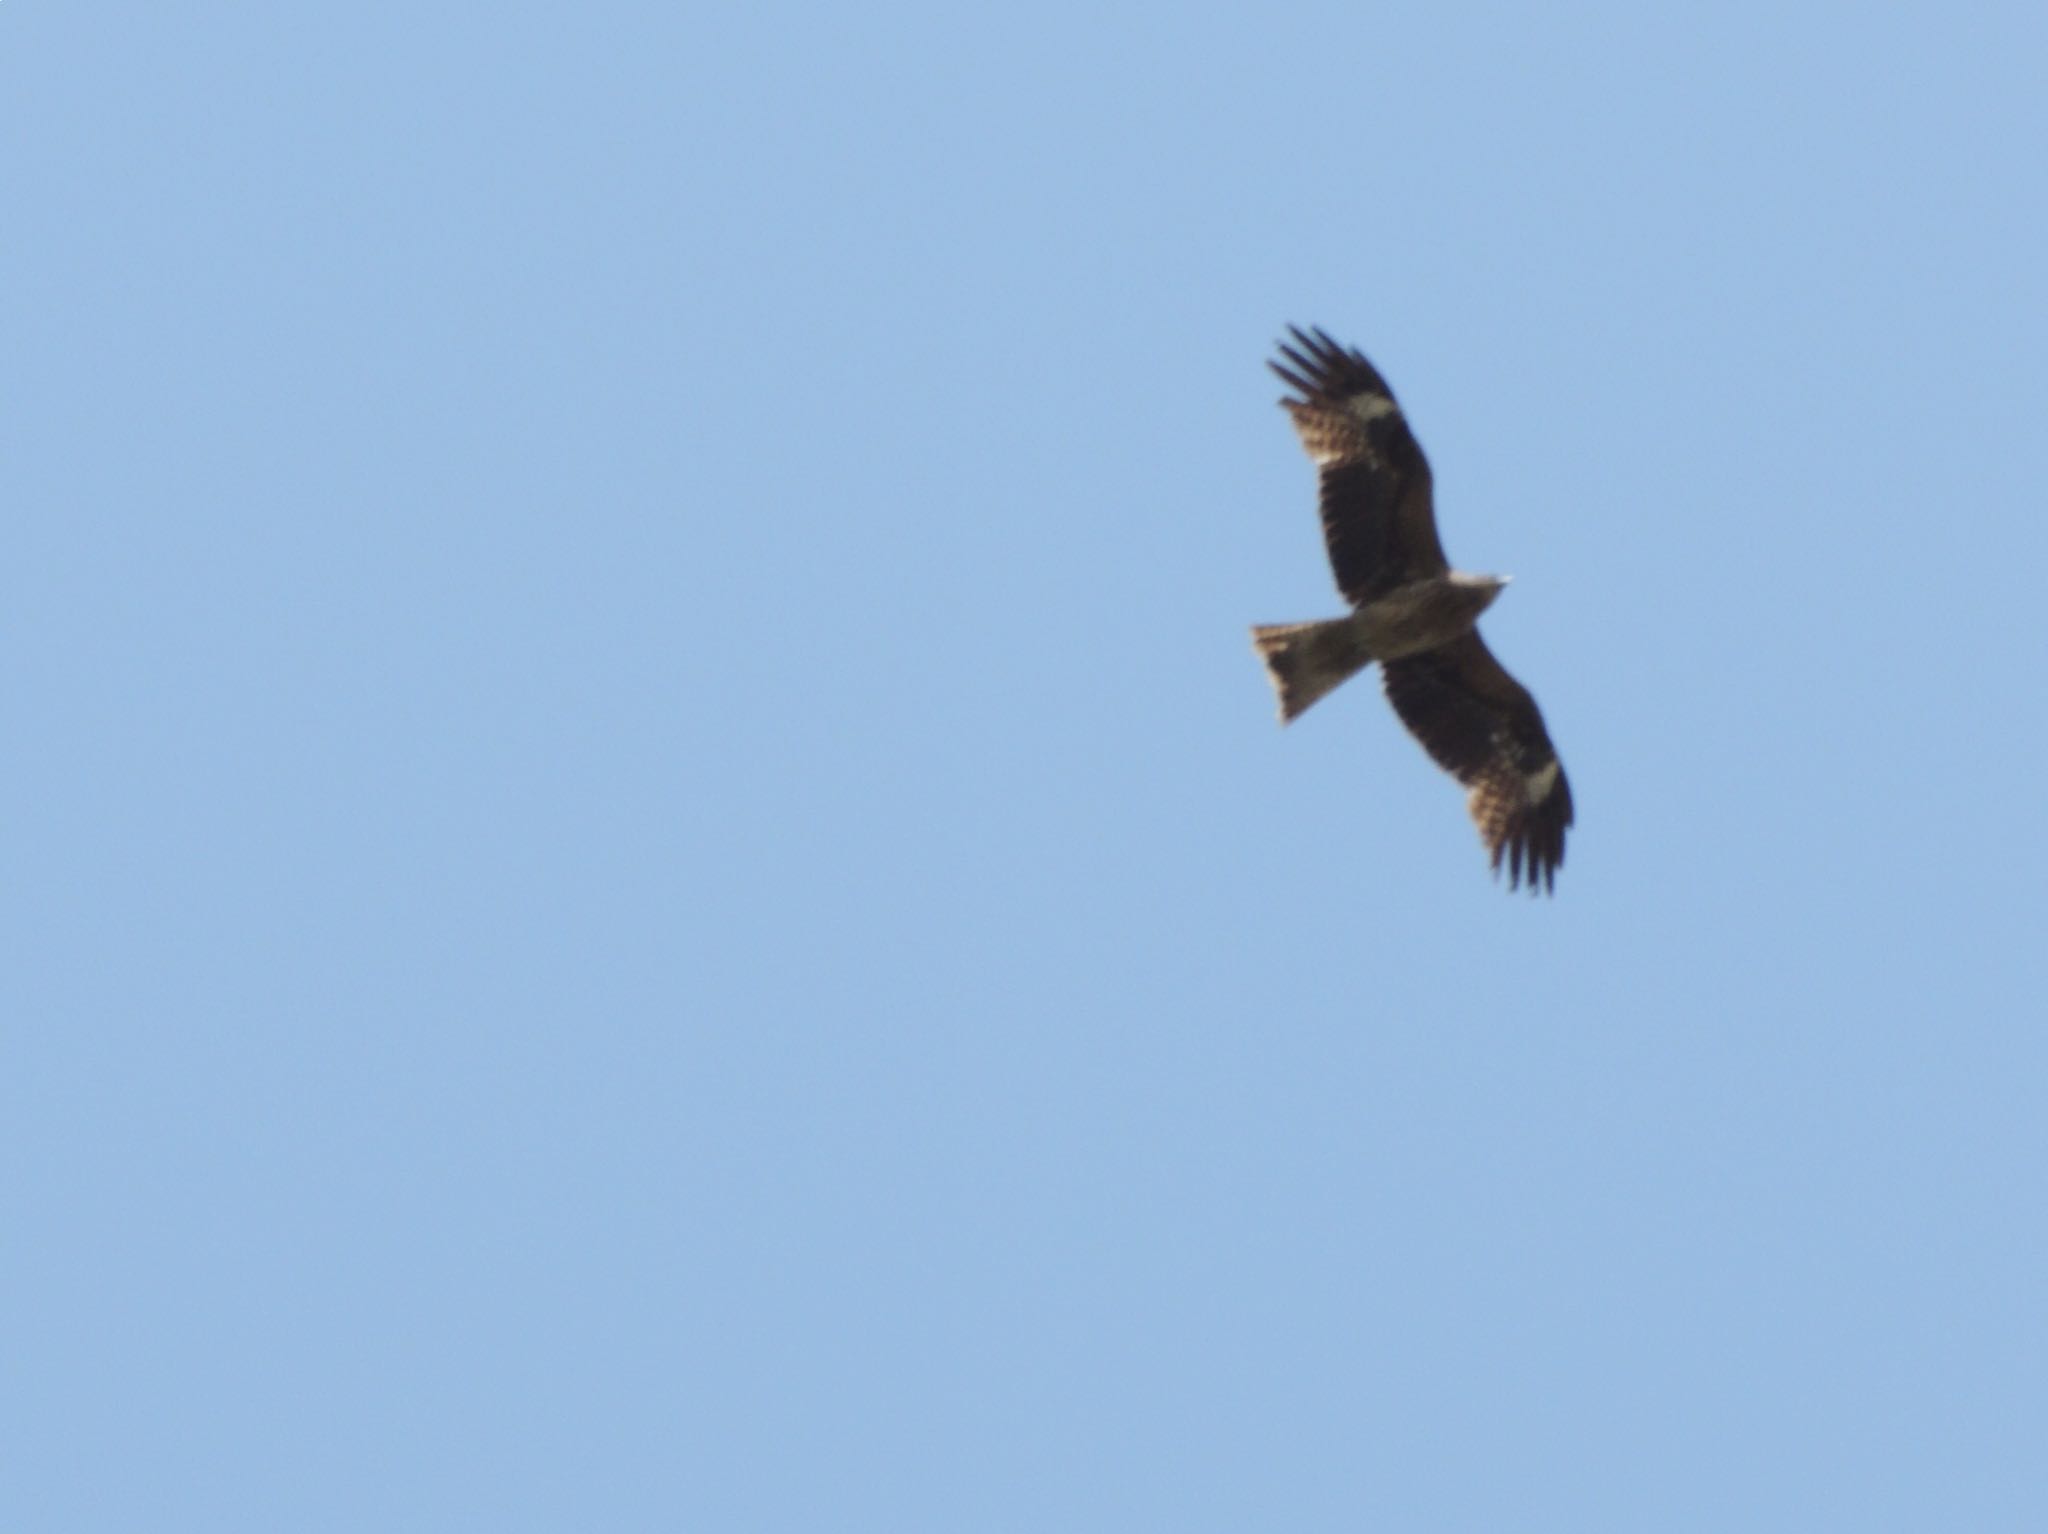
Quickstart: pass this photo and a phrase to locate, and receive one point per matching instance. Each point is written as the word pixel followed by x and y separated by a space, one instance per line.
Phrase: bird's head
pixel 1484 587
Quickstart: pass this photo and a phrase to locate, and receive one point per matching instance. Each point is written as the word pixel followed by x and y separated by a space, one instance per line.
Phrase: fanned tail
pixel 1308 660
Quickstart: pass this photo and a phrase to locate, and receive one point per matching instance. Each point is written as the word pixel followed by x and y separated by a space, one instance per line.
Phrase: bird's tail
pixel 1307 660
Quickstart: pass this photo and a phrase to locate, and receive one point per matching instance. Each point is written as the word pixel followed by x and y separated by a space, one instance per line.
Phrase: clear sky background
pixel 650 884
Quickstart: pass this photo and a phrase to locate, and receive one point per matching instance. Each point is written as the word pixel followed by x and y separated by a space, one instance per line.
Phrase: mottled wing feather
pixel 1379 521
pixel 1483 728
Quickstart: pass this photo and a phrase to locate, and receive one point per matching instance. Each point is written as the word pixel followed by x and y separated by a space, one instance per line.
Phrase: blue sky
pixel 652 884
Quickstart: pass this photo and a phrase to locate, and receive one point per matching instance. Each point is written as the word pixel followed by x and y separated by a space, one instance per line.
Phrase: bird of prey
pixel 1412 613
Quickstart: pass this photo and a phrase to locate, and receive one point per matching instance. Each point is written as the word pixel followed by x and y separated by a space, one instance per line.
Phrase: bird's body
pixel 1411 613
pixel 1308 660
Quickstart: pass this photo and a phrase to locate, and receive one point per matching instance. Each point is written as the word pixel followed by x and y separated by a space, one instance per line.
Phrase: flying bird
pixel 1412 613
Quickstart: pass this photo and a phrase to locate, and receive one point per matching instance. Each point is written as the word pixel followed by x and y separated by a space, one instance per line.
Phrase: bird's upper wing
pixel 1378 516
pixel 1484 729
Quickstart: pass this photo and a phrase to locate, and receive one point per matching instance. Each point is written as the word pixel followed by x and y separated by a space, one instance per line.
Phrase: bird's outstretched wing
pixel 1484 729
pixel 1378 518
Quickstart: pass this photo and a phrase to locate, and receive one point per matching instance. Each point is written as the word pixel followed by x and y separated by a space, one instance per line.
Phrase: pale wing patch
pixel 1342 435
pixel 1537 785
pixel 1330 438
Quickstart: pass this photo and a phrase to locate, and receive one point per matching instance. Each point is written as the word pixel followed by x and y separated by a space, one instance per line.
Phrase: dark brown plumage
pixel 1378 520
pixel 1412 613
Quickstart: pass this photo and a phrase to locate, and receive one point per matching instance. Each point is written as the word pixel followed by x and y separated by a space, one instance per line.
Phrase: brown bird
pixel 1412 613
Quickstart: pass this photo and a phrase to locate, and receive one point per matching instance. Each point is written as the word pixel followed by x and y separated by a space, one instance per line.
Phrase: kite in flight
pixel 1412 613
